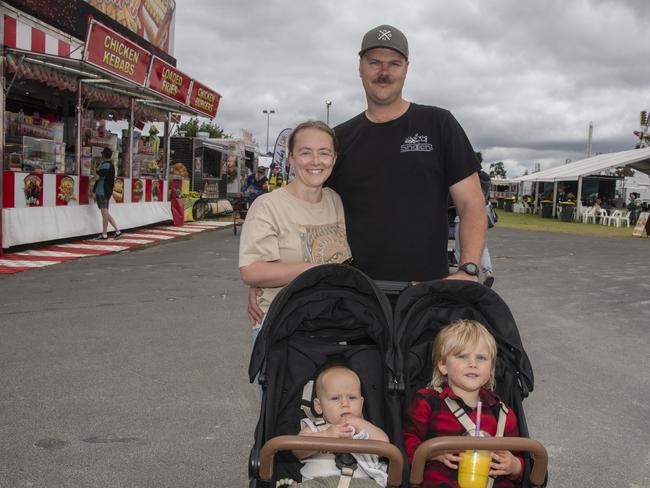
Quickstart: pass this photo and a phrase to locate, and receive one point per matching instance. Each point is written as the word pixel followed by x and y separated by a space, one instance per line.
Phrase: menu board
pixel 642 227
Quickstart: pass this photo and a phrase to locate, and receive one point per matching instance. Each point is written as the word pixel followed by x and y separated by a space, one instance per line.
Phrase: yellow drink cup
pixel 473 469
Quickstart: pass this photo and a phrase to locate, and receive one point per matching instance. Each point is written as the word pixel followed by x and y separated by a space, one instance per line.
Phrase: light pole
pixel 268 117
pixel 328 104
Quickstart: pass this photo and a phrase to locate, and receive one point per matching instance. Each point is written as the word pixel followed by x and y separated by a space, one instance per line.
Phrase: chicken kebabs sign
pixel 108 50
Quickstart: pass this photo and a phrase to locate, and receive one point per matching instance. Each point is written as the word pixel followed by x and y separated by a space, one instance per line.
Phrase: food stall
pixel 69 81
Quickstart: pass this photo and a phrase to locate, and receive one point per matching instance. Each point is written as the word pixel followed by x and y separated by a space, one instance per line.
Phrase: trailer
pixel 213 169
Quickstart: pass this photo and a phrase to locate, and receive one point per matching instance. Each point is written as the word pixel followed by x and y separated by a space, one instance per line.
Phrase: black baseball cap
pixel 385 36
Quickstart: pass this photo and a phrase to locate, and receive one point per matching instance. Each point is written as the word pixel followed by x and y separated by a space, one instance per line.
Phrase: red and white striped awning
pixel 20 35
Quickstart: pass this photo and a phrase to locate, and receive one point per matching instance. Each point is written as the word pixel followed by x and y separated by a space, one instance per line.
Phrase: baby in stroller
pixel 340 406
pixel 329 315
pixel 464 359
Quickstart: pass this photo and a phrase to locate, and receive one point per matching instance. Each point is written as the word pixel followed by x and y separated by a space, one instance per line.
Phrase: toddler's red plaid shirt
pixel 428 416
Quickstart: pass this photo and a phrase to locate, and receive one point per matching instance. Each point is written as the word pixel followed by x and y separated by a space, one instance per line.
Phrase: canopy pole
pixel 579 199
pixel 77 151
pixel 555 199
pixel 535 198
pixel 2 136
pixel 131 122
pixel 168 125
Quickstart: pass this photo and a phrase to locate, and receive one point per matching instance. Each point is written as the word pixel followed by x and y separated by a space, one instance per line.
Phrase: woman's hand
pixel 255 314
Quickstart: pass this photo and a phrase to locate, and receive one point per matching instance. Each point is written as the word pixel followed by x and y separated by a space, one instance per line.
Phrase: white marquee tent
pixel 638 159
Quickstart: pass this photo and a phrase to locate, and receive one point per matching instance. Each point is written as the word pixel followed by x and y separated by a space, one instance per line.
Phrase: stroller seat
pixel 329 313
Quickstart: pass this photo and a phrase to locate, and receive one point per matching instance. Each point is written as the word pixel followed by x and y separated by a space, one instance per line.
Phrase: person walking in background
pixel 104 191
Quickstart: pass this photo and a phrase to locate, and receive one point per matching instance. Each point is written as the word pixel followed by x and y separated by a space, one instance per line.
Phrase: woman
pixel 298 226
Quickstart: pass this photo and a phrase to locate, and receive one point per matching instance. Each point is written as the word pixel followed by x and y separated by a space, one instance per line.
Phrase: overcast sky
pixel 524 78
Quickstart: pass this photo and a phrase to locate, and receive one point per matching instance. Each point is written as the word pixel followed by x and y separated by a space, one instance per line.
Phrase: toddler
pixel 464 358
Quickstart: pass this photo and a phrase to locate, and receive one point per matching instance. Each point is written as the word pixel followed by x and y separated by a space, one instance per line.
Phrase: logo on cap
pixel 384 35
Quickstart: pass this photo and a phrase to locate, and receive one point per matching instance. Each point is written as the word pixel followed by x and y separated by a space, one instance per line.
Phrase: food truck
pixel 211 171
pixel 71 69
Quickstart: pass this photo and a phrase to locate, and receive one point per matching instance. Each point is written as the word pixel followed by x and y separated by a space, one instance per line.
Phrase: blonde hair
pixel 313 124
pixel 456 337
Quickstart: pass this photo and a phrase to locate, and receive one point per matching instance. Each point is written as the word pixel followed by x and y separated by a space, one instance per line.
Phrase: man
pixel 397 162
pixel 256 184
pixel 103 193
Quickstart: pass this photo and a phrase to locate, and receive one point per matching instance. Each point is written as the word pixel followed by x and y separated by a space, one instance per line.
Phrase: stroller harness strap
pixel 470 427
pixel 319 424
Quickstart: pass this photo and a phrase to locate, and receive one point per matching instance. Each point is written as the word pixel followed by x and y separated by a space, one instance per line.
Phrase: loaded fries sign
pixel 168 81
pixel 109 51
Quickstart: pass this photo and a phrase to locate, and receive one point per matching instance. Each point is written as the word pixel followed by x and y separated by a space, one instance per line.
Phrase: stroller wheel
pixel 254 466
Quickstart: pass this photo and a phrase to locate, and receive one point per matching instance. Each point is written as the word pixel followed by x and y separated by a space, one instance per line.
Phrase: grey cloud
pixel 523 77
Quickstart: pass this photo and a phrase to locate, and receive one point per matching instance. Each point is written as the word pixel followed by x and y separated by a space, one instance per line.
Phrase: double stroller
pixel 335 313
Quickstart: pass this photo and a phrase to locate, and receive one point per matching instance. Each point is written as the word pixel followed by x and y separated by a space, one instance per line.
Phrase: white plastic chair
pixel 602 215
pixel 623 216
pixel 587 213
pixel 608 219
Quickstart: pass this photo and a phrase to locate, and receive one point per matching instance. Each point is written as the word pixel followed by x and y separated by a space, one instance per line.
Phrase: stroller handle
pixel 441 445
pixel 328 444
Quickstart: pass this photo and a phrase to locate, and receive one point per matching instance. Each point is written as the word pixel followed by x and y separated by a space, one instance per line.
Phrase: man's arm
pixel 470 205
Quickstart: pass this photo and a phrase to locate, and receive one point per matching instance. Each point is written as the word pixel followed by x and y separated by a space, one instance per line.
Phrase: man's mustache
pixel 383 79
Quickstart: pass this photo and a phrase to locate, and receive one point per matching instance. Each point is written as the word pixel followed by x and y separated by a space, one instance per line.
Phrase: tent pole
pixel 554 198
pixel 579 199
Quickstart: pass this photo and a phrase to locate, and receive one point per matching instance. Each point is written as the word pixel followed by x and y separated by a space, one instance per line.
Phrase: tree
pixel 497 170
pixel 624 171
pixel 191 128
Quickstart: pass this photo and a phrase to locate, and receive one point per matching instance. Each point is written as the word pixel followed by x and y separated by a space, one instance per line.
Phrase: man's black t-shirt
pixel 393 178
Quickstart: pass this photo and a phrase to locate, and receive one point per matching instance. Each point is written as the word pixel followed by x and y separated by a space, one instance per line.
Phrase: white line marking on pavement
pixel 54 254
pixel 16 263
pixel 152 237
pixel 94 246
pixel 127 240
pixel 168 232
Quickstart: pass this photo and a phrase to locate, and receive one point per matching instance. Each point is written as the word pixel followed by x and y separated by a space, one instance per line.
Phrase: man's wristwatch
pixel 469 268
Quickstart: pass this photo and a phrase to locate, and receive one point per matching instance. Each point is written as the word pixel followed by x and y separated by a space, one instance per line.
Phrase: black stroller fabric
pixel 331 313
pixel 422 310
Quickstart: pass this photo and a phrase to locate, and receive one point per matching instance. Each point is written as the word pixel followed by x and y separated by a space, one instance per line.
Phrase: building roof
pixel 638 159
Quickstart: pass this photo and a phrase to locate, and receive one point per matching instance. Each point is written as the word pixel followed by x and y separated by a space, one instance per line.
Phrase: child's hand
pixel 338 431
pixel 449 459
pixel 504 463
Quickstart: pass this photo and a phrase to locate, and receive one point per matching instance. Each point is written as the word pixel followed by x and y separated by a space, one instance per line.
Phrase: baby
pixel 339 402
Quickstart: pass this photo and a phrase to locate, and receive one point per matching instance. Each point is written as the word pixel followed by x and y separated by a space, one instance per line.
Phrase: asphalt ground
pixel 129 369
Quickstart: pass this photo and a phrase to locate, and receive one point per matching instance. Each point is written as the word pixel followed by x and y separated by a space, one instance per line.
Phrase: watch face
pixel 470 268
